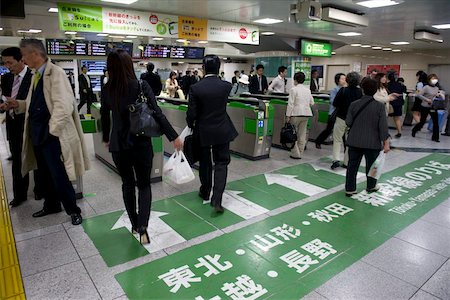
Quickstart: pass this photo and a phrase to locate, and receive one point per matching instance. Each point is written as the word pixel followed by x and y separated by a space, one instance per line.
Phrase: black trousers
pixel 221 158
pixel 134 166
pixel 86 99
pixel 327 131
pixel 20 184
pixel 423 119
pixel 55 183
pixel 354 160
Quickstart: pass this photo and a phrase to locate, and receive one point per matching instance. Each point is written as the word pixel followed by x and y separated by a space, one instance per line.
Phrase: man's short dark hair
pixel 369 87
pixel 281 69
pixel 353 79
pixel 236 72
pixel 259 67
pixel 337 77
pixel 299 77
pixel 150 67
pixel 14 52
pixel 188 72
pixel 211 64
pixel 83 67
pixel 314 71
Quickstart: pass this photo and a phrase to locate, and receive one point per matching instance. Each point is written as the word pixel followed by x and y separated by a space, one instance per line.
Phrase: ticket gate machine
pixel 103 154
pixel 252 118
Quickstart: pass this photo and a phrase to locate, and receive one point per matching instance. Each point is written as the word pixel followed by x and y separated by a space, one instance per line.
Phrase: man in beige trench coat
pixel 53 138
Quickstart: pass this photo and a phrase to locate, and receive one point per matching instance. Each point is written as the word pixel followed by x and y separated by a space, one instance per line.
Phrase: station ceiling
pixel 386 24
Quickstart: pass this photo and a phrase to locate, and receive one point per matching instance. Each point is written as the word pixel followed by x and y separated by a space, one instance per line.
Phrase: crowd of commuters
pixel 45 134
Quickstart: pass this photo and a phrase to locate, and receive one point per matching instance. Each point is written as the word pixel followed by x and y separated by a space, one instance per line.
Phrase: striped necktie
pixel 14 92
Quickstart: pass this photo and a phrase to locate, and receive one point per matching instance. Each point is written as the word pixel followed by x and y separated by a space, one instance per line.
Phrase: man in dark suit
pixel 16 85
pixel 236 77
pixel 258 83
pixel 314 85
pixel 152 79
pixel 85 89
pixel 207 115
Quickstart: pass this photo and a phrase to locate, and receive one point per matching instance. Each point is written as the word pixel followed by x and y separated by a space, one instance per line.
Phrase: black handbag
pixel 288 136
pixel 438 104
pixel 142 122
pixel 191 148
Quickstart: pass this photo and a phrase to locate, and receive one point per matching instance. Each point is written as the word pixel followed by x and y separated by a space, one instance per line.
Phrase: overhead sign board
pixel 310 48
pixel 84 18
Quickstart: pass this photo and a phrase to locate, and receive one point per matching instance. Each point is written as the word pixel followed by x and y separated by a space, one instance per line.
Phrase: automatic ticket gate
pixel 253 120
pixel 319 120
pixel 103 154
pixel 175 111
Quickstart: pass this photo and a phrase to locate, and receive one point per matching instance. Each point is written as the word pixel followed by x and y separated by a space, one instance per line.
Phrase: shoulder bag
pixel 438 104
pixel 142 121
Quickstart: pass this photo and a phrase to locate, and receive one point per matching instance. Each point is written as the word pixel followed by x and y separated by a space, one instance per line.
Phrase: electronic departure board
pixel 65 47
pixel 96 48
pixel 195 52
pixel 175 52
pixel 154 51
pixel 125 46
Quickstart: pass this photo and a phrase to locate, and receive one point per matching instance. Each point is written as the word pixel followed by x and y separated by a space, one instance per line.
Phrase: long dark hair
pixel 378 80
pixel 120 71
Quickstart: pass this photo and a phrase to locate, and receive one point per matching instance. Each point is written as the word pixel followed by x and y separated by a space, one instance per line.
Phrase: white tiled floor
pixel 59 261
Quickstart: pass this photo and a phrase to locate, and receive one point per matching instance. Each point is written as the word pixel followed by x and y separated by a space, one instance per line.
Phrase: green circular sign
pixel 161 28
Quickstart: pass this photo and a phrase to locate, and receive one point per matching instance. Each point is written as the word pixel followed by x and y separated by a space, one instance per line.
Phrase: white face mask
pixel 434 81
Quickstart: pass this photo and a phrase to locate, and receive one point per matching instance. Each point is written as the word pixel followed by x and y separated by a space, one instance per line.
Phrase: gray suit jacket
pixel 370 129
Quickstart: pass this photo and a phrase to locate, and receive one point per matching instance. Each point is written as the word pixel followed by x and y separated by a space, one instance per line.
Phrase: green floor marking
pixel 257 190
pixel 321 178
pixel 299 249
pixel 193 202
pixel 115 246
pixel 181 220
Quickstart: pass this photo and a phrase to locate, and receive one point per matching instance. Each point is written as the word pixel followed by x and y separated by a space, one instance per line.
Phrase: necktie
pixel 37 76
pixel 16 86
pixel 260 86
pixel 14 91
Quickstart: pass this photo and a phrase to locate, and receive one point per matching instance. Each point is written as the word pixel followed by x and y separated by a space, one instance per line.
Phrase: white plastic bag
pixel 186 131
pixel 377 167
pixel 177 169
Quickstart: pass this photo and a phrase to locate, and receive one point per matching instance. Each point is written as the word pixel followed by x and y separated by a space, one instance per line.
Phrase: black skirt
pixel 417 106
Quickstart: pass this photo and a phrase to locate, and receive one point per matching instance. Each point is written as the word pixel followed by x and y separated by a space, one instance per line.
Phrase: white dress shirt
pixel 277 85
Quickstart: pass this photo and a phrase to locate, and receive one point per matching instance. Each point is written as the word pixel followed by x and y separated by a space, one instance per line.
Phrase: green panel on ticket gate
pixel 103 154
pixel 88 125
pixel 253 120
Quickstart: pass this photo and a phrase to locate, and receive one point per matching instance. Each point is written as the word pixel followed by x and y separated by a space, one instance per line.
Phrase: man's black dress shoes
pixel 16 202
pixel 76 219
pixel 44 212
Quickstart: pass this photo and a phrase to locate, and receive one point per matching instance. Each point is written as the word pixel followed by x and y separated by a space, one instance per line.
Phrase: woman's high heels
pixel 143 236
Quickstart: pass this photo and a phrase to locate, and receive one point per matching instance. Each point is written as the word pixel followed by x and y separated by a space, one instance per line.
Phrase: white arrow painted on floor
pixel 161 234
pixel 290 182
pixel 241 206
pixel 327 167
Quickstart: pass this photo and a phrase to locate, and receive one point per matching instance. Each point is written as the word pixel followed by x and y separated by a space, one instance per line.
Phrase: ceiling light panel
pixel 128 2
pixel 378 3
pixel 53 9
pixel 399 43
pixel 355 45
pixel 267 21
pixel 377 48
pixel 70 32
pixel 158 38
pixel 351 33
pixel 442 26
pixel 366 46
pixel 102 34
pixel 267 33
